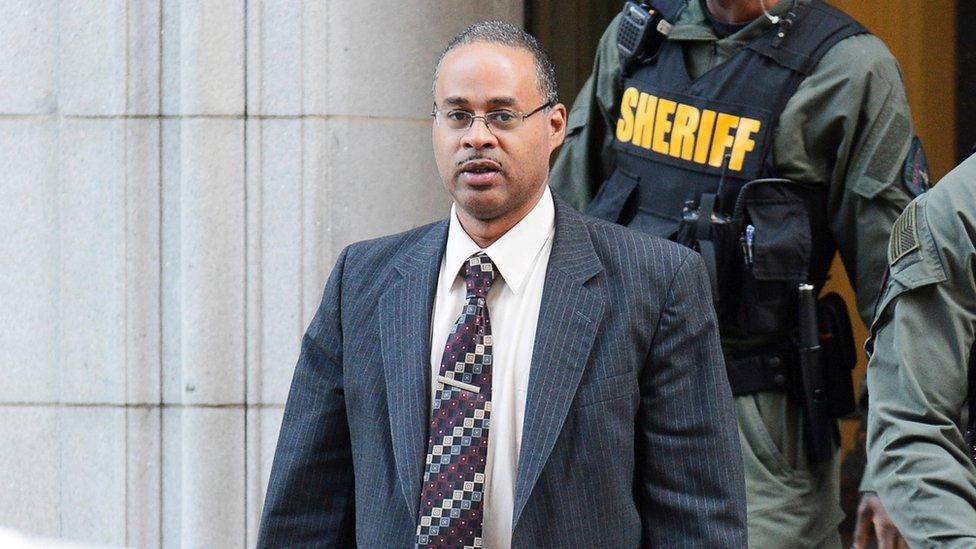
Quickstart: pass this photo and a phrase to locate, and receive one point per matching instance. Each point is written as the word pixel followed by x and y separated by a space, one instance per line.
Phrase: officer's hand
pixel 873 518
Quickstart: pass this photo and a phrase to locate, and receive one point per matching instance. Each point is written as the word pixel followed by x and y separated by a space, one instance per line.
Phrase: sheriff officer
pixel 742 90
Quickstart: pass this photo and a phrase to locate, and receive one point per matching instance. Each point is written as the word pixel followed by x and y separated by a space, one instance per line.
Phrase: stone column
pixel 80 274
pixel 176 180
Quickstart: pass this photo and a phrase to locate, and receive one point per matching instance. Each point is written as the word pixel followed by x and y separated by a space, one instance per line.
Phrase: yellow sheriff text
pixel 683 131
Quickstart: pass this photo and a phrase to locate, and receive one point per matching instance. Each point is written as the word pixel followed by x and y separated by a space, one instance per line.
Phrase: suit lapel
pixel 405 340
pixel 568 322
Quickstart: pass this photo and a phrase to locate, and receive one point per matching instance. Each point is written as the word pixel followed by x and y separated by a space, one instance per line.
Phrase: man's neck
pixel 486 232
pixel 737 11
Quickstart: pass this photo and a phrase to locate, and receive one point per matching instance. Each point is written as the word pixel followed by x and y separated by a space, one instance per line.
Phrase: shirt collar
pixel 513 254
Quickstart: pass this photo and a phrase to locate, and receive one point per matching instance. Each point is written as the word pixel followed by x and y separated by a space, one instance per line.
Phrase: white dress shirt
pixel 520 256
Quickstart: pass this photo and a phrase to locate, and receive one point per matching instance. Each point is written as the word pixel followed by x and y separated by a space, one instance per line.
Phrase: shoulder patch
pixel 915 174
pixel 904 235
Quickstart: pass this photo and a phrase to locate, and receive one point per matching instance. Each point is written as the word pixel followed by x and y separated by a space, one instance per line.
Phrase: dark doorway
pixel 570 30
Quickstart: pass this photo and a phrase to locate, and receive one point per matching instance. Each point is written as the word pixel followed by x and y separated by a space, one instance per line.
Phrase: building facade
pixel 176 181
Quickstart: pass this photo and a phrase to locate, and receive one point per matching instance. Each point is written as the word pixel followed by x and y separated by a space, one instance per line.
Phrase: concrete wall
pixel 176 180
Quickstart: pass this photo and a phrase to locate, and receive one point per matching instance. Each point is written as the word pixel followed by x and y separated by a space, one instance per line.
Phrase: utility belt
pixel 778 369
pixel 777 336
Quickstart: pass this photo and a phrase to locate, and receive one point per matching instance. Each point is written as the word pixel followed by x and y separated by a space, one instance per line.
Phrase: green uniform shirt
pixel 848 126
pixel 917 376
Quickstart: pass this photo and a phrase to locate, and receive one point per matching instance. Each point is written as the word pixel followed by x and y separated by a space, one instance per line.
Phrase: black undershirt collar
pixel 721 29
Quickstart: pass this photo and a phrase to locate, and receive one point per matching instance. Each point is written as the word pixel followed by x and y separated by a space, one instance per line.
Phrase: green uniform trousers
pixel 790 503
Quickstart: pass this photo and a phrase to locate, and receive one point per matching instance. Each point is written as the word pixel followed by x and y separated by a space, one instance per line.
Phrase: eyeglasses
pixel 499 120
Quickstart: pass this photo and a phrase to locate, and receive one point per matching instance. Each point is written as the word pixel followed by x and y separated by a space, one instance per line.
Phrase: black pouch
pixel 777 241
pixel 838 353
pixel 716 237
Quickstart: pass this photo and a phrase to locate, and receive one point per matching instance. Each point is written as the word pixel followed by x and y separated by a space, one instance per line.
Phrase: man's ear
pixel 557 125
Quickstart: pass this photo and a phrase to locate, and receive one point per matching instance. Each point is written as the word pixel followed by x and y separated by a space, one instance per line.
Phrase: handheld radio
pixel 642 31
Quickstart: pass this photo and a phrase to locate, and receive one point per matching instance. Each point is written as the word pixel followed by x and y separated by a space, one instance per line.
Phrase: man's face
pixel 491 173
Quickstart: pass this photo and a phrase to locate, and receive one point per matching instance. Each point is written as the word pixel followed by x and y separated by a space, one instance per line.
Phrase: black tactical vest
pixel 675 135
pixel 677 138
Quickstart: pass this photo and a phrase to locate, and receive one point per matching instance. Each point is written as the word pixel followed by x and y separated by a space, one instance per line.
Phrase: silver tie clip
pixel 459 384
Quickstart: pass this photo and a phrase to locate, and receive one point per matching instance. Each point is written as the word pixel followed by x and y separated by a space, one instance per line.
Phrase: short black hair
pixel 500 32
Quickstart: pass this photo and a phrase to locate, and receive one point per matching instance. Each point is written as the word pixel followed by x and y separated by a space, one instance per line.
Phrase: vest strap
pixel 801 39
pixel 669 9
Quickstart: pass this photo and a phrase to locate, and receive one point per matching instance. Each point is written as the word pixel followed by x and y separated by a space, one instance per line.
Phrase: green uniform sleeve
pixel 917 375
pixel 587 157
pixel 849 126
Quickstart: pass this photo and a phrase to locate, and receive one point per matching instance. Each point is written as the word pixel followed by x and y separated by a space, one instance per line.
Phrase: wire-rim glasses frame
pixel 498 120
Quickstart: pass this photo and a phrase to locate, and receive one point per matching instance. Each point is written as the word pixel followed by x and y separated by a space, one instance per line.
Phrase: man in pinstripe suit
pixel 580 399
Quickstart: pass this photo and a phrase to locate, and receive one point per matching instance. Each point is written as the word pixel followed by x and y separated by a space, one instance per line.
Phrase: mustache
pixel 478 156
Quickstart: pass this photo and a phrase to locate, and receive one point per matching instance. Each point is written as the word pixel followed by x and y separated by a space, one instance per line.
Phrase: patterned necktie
pixel 454 478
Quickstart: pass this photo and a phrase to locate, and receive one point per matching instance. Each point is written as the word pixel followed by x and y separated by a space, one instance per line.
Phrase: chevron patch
pixel 904 235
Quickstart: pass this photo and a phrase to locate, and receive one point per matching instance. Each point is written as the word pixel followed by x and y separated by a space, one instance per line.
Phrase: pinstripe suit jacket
pixel 629 435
